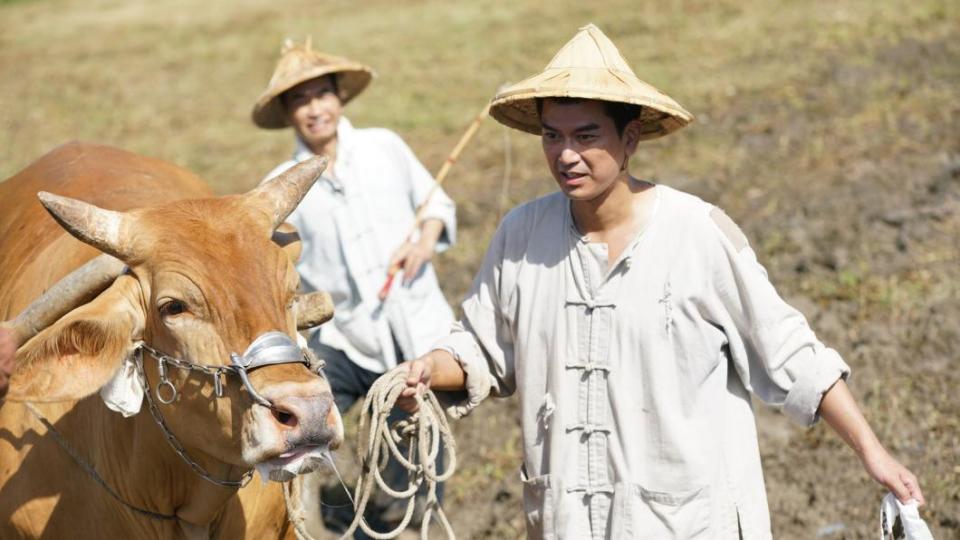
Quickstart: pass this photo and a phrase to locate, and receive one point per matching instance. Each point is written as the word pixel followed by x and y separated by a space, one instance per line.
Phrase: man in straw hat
pixel 354 224
pixel 634 321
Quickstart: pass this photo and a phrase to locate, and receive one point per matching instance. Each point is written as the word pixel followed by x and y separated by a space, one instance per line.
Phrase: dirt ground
pixel 827 130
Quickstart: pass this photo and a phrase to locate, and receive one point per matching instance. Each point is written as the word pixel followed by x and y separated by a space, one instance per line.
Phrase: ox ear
pixel 288 238
pixel 313 309
pixel 78 354
pixel 278 196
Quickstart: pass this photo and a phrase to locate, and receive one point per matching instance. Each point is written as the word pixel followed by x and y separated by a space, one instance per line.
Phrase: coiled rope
pixel 421 433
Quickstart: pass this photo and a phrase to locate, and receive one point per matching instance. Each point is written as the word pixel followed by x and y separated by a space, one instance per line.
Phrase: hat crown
pixel 589 66
pixel 296 59
pixel 590 48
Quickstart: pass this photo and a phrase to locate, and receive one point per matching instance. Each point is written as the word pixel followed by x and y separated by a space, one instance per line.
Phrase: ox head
pixel 206 278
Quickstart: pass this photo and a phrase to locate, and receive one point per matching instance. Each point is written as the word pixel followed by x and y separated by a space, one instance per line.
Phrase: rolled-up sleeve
pixel 440 206
pixel 776 354
pixel 482 341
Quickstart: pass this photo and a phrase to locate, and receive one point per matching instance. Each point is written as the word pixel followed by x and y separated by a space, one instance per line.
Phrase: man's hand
pixel 892 475
pixel 437 370
pixel 410 257
pixel 419 373
pixel 842 413
pixel 8 351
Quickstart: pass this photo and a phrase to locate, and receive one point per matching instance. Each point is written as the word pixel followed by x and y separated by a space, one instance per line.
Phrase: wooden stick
pixel 441 176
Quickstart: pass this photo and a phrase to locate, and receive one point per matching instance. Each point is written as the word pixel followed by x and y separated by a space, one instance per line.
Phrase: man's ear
pixel 287 237
pixel 79 353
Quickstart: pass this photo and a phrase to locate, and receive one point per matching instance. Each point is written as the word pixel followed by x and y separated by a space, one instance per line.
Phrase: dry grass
pixel 827 129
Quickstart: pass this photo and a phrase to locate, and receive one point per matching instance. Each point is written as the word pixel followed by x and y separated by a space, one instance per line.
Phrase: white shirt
pixel 350 226
pixel 635 382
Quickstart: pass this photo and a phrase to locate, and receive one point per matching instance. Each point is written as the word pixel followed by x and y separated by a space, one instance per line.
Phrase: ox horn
pixel 76 288
pixel 280 195
pixel 100 228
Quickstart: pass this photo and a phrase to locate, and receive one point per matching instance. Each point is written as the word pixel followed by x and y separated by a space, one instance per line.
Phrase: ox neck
pixel 190 497
pixel 156 479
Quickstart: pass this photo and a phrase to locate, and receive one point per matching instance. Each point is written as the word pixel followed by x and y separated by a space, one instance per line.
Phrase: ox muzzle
pixel 268 349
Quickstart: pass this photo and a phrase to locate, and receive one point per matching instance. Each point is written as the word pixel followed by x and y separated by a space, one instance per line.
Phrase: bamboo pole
pixel 441 176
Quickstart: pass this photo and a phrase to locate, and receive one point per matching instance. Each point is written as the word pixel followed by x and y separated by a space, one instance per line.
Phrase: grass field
pixel 828 130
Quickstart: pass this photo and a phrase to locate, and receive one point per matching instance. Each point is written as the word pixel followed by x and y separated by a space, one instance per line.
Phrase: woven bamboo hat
pixel 301 63
pixel 589 66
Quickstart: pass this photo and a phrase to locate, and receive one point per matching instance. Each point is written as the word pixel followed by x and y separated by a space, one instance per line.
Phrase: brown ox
pixel 204 280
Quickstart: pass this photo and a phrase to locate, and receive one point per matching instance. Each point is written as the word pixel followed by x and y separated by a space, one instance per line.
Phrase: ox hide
pixel 43 491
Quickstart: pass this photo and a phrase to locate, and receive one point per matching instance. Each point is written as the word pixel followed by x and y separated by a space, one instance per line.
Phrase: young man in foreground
pixel 634 321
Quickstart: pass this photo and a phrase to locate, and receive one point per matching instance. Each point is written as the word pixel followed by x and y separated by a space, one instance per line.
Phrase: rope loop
pixel 422 433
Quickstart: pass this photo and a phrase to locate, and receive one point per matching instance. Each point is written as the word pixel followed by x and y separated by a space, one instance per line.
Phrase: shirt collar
pixel 628 254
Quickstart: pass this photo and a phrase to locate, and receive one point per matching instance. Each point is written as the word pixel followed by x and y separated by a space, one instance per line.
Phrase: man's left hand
pixel 892 475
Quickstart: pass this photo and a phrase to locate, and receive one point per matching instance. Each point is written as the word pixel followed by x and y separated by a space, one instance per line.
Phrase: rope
pixel 421 433
pixel 294 516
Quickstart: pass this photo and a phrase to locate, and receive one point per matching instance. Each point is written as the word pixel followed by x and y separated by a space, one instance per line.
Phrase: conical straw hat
pixel 301 63
pixel 589 66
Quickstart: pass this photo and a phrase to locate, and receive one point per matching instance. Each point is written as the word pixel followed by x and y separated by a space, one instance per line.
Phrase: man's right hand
pixel 437 369
pixel 419 372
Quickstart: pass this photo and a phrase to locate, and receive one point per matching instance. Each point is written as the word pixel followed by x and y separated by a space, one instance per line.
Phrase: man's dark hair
pixel 333 82
pixel 621 113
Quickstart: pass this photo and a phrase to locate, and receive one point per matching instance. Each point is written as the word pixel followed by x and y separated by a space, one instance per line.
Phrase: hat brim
pixel 352 79
pixel 516 106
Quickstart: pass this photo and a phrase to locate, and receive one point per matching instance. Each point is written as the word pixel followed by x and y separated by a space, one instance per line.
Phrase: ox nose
pixel 307 420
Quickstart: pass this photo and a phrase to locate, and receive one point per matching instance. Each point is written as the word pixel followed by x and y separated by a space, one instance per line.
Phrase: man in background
pixel 357 224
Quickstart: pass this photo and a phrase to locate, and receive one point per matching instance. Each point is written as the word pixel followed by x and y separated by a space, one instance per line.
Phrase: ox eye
pixel 172 308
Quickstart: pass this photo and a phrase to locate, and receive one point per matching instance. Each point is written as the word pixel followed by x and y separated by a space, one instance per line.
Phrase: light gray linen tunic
pixel 634 381
pixel 350 225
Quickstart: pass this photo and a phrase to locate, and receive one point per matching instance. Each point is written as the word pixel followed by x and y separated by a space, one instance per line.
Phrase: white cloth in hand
pixel 914 528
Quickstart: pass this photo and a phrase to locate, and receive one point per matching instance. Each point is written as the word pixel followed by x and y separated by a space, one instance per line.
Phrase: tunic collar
pixel 627 256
